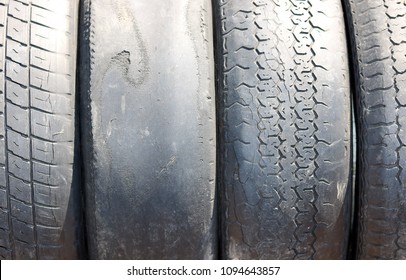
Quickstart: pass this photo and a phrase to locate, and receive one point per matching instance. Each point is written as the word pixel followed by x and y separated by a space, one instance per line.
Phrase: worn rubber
pixel 149 129
pixel 284 111
pixel 378 33
pixel 39 187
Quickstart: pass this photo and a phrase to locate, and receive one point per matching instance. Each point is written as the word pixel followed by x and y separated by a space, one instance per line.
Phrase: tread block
pixel 4 238
pixel 24 251
pixel 53 153
pixel 2 82
pixel 18 118
pixel 3 11
pixel 19 10
pixel 51 102
pixel 2 176
pixel 4 220
pixel 49 236
pixel 383 213
pixel 23 231
pixel 45 252
pixel 5 254
pixel 19 167
pixel 21 211
pixel 17 52
pixel 49 61
pixel 17 73
pixel 376 177
pixel 51 175
pixel 50 39
pixel 51 127
pixel 60 7
pixel 2 156
pixel 17 94
pixel 18 144
pixel 52 82
pixel 17 30
pixel 377 157
pixel 46 195
pixel 1 62
pixel 48 216
pixel 50 19
pixel 382 226
pixel 378 252
pixel 20 189
pixel 3 199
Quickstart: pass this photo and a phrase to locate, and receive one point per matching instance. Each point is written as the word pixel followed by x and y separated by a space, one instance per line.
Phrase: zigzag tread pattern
pixel 285 157
pixel 379 32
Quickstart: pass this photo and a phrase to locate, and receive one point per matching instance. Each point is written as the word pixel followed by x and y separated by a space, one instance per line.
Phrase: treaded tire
pixel 40 215
pixel 284 117
pixel 148 119
pixel 377 30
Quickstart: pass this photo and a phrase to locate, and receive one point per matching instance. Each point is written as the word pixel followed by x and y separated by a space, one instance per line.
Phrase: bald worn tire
pixel 284 112
pixel 149 129
pixel 40 209
pixel 377 30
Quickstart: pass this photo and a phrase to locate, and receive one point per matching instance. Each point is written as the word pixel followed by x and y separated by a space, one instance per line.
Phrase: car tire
pixel 40 209
pixel 377 32
pixel 284 117
pixel 149 126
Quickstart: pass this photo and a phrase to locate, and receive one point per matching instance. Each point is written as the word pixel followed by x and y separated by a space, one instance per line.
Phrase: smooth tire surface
pixel 148 119
pixel 40 215
pixel 377 30
pixel 284 105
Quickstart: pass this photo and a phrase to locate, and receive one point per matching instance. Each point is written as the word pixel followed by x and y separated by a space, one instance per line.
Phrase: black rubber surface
pixel 148 119
pixel 378 32
pixel 39 189
pixel 284 129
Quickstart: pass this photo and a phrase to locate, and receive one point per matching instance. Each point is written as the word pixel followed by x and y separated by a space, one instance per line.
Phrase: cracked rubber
pixel 39 187
pixel 148 116
pixel 378 33
pixel 284 113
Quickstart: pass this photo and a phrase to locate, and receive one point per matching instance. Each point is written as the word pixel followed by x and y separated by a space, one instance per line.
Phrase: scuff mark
pixel 141 61
pixel 122 61
pixel 110 127
pixel 123 104
pixel 171 162
pixel 341 187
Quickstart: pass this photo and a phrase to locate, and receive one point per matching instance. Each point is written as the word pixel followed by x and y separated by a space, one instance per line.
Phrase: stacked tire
pixel 150 133
pixel 284 104
pixel 40 213
pixel 203 129
pixel 377 32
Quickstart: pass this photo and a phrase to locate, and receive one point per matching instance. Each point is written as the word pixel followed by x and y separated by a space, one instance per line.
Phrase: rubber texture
pixel 40 214
pixel 377 30
pixel 284 118
pixel 149 129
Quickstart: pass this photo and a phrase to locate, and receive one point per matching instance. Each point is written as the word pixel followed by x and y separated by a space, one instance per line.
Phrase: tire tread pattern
pixel 379 50
pixel 286 157
pixel 36 127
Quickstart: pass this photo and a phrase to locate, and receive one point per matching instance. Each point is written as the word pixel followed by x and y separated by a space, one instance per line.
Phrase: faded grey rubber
pixel 378 33
pixel 40 215
pixel 284 112
pixel 148 120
